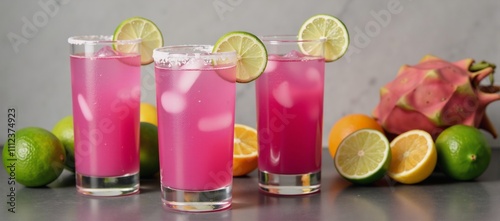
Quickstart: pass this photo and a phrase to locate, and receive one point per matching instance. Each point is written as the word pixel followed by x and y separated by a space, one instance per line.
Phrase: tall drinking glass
pixel 106 93
pixel 289 96
pixel 195 94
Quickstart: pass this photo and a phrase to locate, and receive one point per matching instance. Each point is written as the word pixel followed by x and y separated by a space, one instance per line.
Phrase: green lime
pixel 463 152
pixel 324 27
pixel 146 30
pixel 39 157
pixel 252 54
pixel 65 133
pixel 150 161
pixel 363 157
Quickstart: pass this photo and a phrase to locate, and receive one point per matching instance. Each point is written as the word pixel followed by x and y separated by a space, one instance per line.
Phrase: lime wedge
pixel 138 27
pixel 252 54
pixel 324 27
pixel 363 157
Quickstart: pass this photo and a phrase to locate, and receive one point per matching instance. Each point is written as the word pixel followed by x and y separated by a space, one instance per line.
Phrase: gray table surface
pixel 437 198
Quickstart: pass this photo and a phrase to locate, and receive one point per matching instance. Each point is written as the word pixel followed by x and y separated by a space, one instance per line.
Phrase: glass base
pixel 289 184
pixel 196 201
pixel 107 186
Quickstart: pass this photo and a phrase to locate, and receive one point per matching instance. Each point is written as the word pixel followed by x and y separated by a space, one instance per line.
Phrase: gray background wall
pixel 35 76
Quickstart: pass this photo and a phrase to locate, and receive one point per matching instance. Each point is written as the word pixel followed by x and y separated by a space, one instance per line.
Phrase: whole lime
pixel 65 133
pixel 149 160
pixel 37 157
pixel 463 152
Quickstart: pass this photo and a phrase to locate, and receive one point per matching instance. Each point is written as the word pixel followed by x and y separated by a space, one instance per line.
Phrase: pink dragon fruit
pixel 436 94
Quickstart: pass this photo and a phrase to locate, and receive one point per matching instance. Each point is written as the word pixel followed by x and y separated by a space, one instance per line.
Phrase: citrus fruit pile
pixel 362 153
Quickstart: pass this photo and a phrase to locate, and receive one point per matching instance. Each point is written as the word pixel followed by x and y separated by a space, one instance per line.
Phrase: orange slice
pixel 245 150
pixel 414 157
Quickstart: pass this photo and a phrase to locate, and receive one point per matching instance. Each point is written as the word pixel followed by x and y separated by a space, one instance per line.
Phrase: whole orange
pixel 347 125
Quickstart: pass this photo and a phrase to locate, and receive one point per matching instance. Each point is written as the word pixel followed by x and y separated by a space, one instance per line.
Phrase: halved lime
pixel 363 157
pixel 324 27
pixel 138 27
pixel 252 54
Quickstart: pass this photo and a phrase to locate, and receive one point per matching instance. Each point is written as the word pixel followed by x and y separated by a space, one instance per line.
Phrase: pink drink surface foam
pixel 290 114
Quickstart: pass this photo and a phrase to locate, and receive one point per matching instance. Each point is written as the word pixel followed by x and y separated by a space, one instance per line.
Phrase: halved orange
pixel 245 153
pixel 414 157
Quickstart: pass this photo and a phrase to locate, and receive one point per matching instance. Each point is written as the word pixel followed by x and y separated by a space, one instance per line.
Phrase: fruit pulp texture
pixel 106 97
pixel 289 97
pixel 195 127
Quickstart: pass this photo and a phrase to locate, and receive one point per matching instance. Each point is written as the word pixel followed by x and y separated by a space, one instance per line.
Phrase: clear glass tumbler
pixel 106 90
pixel 289 96
pixel 195 95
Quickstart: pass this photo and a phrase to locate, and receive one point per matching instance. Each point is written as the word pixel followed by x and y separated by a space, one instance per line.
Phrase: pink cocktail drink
pixel 196 103
pixel 196 129
pixel 290 114
pixel 106 114
pixel 106 98
pixel 289 97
